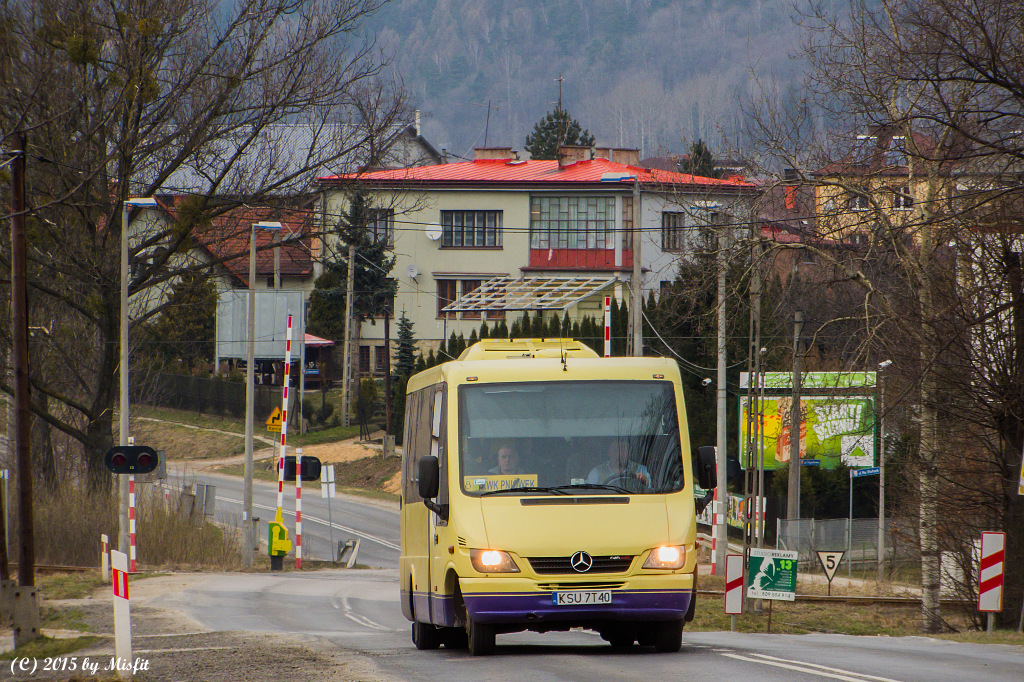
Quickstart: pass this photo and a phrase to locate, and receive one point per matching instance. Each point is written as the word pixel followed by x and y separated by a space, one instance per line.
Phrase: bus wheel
pixel 480 637
pixel 668 637
pixel 425 636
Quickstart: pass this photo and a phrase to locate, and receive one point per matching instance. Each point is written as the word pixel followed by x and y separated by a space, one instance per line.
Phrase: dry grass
pixel 68 524
pixel 184 443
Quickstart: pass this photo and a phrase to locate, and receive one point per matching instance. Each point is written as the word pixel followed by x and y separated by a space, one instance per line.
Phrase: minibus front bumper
pixel 488 605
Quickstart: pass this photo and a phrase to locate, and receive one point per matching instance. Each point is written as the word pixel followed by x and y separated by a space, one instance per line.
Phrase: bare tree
pixel 196 98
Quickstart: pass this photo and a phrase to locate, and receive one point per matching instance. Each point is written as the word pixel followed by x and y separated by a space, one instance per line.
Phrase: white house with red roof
pixel 553 236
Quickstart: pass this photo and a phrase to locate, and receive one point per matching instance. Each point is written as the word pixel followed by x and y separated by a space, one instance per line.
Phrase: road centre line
pixel 825 667
pixel 362 620
pixel 809 668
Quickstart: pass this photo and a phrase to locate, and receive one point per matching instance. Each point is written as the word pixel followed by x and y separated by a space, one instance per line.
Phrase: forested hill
pixel 638 73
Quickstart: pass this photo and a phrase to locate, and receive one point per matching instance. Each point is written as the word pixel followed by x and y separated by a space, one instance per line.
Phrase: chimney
pixel 570 154
pixel 492 154
pixel 604 153
pixel 416 123
pixel 625 155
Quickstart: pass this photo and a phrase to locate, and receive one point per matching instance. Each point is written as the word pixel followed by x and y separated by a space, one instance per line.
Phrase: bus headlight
pixel 666 556
pixel 492 561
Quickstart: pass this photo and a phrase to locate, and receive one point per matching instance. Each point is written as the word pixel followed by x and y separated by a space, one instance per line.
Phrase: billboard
pixel 271 324
pixel 833 430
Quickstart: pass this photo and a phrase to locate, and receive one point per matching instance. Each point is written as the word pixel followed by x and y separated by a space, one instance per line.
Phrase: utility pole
pixel 882 366
pixel 751 474
pixel 636 284
pixel 26 617
pixel 793 496
pixel 346 378
pixel 721 531
pixel 250 389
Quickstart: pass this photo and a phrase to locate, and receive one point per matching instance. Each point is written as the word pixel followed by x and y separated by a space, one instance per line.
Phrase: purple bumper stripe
pixel 531 607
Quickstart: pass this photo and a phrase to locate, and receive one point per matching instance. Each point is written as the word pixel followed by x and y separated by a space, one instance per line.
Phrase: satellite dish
pixel 411 271
pixel 433 232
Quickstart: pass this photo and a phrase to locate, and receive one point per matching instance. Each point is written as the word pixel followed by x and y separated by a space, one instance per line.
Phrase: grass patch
pixel 69 585
pixel 186 443
pixel 65 619
pixel 330 435
pixel 43 647
pixel 798 617
pixel 365 476
pixel 191 418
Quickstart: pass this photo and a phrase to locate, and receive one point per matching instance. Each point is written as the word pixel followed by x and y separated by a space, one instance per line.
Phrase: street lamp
pixel 138 202
pixel 881 469
pixel 250 380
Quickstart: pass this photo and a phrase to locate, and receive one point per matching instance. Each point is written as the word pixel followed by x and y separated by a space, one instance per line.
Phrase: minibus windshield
pixel 569 437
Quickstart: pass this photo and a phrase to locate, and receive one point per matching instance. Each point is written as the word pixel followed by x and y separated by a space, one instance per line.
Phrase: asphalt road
pixel 358 611
pixel 374 523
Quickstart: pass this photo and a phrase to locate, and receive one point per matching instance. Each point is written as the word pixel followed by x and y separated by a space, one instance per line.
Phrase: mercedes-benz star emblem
pixel 581 562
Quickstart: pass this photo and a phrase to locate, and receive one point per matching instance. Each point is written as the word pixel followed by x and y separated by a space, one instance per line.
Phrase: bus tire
pixel 480 637
pixel 425 636
pixel 668 637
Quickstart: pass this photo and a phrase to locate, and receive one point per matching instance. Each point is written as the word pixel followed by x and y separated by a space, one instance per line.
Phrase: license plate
pixel 581 597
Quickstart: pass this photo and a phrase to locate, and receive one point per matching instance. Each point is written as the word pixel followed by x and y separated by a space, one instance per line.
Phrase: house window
pixel 378 357
pixel 859 202
pixel 572 222
pixel 902 200
pixel 469 285
pixel 460 229
pixel 447 292
pixel 381 224
pixel 364 359
pixel 675 234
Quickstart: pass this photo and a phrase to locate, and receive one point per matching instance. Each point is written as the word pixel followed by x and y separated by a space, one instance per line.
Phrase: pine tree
pixel 484 331
pixel 700 162
pixel 405 362
pixel 556 129
pixel 501 331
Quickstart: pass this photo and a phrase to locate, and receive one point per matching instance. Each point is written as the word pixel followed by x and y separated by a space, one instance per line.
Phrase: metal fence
pixel 206 396
pixel 859 540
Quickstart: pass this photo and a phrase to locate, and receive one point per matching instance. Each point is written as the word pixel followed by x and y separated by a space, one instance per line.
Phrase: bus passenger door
pixel 440 602
pixel 416 528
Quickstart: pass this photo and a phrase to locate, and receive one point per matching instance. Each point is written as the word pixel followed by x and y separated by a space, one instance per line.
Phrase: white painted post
pixel 298 508
pixel 990 577
pixel 733 585
pixel 327 491
pixel 607 326
pixel 122 613
pixel 105 557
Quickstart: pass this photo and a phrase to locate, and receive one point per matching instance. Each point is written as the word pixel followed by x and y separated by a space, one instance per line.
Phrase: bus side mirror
pixel 706 467
pixel 429 477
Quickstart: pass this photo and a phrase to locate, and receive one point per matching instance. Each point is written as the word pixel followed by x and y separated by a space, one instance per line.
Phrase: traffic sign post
pixel 274 421
pixel 830 561
pixel 733 587
pixel 855 473
pixel 990 577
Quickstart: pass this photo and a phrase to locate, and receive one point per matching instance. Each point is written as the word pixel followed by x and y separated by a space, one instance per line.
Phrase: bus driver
pixel 618 466
pixel 508 461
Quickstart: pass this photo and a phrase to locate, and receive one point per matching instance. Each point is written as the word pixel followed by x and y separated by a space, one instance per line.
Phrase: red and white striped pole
pixel 131 516
pixel 298 508
pixel 607 326
pixel 714 523
pixel 733 585
pixel 284 417
pixel 990 577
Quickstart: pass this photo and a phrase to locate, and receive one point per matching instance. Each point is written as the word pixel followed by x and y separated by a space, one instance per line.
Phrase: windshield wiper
pixel 597 486
pixel 556 490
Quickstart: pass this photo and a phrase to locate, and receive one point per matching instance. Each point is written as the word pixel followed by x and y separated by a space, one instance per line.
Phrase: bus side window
pixel 413 444
pixel 437 433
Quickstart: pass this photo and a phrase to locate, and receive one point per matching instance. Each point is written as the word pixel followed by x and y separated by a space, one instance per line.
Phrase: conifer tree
pixel 556 129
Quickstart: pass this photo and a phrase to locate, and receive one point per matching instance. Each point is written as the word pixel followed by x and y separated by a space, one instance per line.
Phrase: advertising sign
pixel 813 381
pixel 833 430
pixel 771 574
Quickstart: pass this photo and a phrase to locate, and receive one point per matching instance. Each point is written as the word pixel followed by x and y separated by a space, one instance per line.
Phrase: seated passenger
pixel 617 466
pixel 508 461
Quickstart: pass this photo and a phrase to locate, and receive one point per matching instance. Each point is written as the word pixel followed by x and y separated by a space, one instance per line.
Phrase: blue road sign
pixel 811 462
pixel 872 471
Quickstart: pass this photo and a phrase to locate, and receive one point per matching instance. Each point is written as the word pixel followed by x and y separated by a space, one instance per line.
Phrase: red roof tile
pixel 227 236
pixel 503 172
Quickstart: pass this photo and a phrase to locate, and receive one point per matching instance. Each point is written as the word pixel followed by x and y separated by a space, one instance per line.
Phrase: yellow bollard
pixel 278 544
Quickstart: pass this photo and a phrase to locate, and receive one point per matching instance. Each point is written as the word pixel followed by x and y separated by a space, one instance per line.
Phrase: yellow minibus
pixel 546 488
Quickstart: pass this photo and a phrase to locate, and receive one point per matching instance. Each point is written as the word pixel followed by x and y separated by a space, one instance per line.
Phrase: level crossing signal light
pixel 131 459
pixel 310 468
